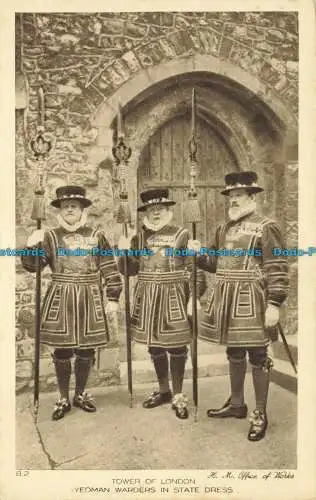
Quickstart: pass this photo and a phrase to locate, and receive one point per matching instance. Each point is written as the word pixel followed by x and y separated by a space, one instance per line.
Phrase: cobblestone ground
pixel 117 437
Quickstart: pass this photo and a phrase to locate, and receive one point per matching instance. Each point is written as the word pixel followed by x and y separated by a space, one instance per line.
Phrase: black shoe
pixel 179 404
pixel 227 403
pixel 157 398
pixel 228 410
pixel 258 425
pixel 85 402
pixel 61 407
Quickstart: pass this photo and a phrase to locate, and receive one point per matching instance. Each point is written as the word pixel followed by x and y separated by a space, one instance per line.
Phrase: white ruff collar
pixel 74 227
pixel 157 227
pixel 241 213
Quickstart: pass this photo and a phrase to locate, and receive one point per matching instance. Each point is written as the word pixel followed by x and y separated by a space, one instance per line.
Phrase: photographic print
pixel 157 251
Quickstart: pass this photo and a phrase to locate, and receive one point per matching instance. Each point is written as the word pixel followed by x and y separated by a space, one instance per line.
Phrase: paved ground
pixel 117 437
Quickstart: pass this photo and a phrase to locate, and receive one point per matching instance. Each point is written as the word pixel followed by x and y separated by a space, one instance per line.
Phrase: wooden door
pixel 165 163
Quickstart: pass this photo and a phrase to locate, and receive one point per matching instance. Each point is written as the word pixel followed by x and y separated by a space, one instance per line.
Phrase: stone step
pixel 279 349
pixel 209 365
pixel 284 375
pixel 111 367
pixel 140 351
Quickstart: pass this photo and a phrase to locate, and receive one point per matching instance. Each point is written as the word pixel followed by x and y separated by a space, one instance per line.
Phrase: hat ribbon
pixel 156 200
pixel 238 185
pixel 70 196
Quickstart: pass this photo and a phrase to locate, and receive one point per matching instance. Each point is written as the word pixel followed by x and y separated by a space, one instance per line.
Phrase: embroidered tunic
pixel 158 316
pixel 244 284
pixel 73 312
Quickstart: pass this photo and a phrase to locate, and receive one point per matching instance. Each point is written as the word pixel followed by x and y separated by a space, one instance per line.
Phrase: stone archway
pixel 232 76
pixel 253 133
pixel 270 87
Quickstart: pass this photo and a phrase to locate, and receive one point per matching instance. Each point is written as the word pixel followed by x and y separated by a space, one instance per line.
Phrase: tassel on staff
pixel 191 213
pixel 191 208
pixel 122 154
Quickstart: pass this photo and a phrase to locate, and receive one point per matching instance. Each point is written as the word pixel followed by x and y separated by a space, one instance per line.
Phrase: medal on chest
pixel 158 243
pixel 73 241
pixel 241 234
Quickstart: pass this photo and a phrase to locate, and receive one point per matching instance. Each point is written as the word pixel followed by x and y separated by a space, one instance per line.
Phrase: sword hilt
pixel 287 349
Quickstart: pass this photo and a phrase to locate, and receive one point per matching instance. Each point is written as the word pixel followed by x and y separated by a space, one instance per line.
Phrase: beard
pixel 71 219
pixel 157 224
pixel 234 213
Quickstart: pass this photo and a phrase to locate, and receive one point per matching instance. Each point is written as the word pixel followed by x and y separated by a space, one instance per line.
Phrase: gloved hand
pixel 272 316
pixel 124 243
pixel 194 245
pixel 36 237
pixel 189 306
pixel 111 307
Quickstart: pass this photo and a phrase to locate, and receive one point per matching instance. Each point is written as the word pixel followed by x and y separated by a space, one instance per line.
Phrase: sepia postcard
pixel 158 250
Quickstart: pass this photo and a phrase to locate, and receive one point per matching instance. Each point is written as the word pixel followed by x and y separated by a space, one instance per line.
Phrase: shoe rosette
pixel 61 407
pixel 180 401
pixel 257 418
pixel 85 399
pixel 61 404
pixel 259 423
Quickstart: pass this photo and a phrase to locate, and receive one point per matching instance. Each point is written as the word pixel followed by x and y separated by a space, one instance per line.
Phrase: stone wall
pixel 83 62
